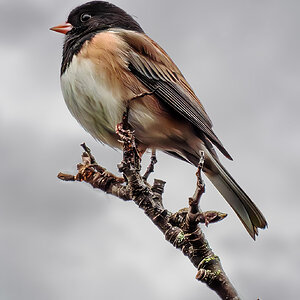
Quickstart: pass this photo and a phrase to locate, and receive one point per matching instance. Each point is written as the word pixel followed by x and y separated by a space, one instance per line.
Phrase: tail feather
pixel 249 214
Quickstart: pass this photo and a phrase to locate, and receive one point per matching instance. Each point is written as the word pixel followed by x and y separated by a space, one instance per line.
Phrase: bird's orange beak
pixel 63 28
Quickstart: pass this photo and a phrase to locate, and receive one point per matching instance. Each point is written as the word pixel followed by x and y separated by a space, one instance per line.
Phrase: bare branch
pixel 181 229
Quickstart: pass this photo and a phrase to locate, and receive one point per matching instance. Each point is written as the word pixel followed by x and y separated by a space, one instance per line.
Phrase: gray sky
pixel 66 241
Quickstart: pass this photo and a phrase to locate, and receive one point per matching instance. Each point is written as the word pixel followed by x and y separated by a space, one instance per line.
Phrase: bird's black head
pixel 87 20
pixel 100 15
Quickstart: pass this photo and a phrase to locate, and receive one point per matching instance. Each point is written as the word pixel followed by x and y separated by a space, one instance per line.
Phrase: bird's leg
pixel 150 168
pixel 123 129
pixel 143 95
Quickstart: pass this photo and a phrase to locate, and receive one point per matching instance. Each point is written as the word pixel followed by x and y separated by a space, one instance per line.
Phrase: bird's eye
pixel 85 17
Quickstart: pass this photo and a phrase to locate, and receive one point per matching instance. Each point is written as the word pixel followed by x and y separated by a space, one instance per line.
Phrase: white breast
pixel 96 107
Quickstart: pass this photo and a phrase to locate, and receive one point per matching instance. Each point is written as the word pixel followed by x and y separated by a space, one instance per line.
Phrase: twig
pixel 88 151
pixel 150 168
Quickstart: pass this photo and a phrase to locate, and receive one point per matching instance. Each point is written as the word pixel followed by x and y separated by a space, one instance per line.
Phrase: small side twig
pixel 150 168
pixel 89 153
pixel 98 177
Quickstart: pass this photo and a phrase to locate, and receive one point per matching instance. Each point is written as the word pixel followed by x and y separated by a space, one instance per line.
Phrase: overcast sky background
pixel 67 241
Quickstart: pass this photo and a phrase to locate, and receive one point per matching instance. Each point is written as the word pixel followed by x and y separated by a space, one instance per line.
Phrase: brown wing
pixel 154 68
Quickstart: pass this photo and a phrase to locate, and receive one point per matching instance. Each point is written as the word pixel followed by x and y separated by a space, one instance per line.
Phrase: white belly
pixel 96 107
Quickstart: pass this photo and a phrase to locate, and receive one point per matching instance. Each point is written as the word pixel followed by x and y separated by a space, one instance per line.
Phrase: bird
pixel 110 66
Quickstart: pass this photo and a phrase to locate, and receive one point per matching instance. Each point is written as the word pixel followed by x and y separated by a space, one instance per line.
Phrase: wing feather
pixel 154 68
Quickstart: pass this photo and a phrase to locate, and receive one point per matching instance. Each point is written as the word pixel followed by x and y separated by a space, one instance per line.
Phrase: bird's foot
pixel 124 134
pixel 127 139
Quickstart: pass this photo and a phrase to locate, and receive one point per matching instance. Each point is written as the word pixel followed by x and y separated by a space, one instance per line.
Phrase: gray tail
pixel 246 210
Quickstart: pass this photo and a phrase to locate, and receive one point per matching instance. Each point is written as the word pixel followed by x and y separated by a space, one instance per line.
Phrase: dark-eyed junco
pixel 110 65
